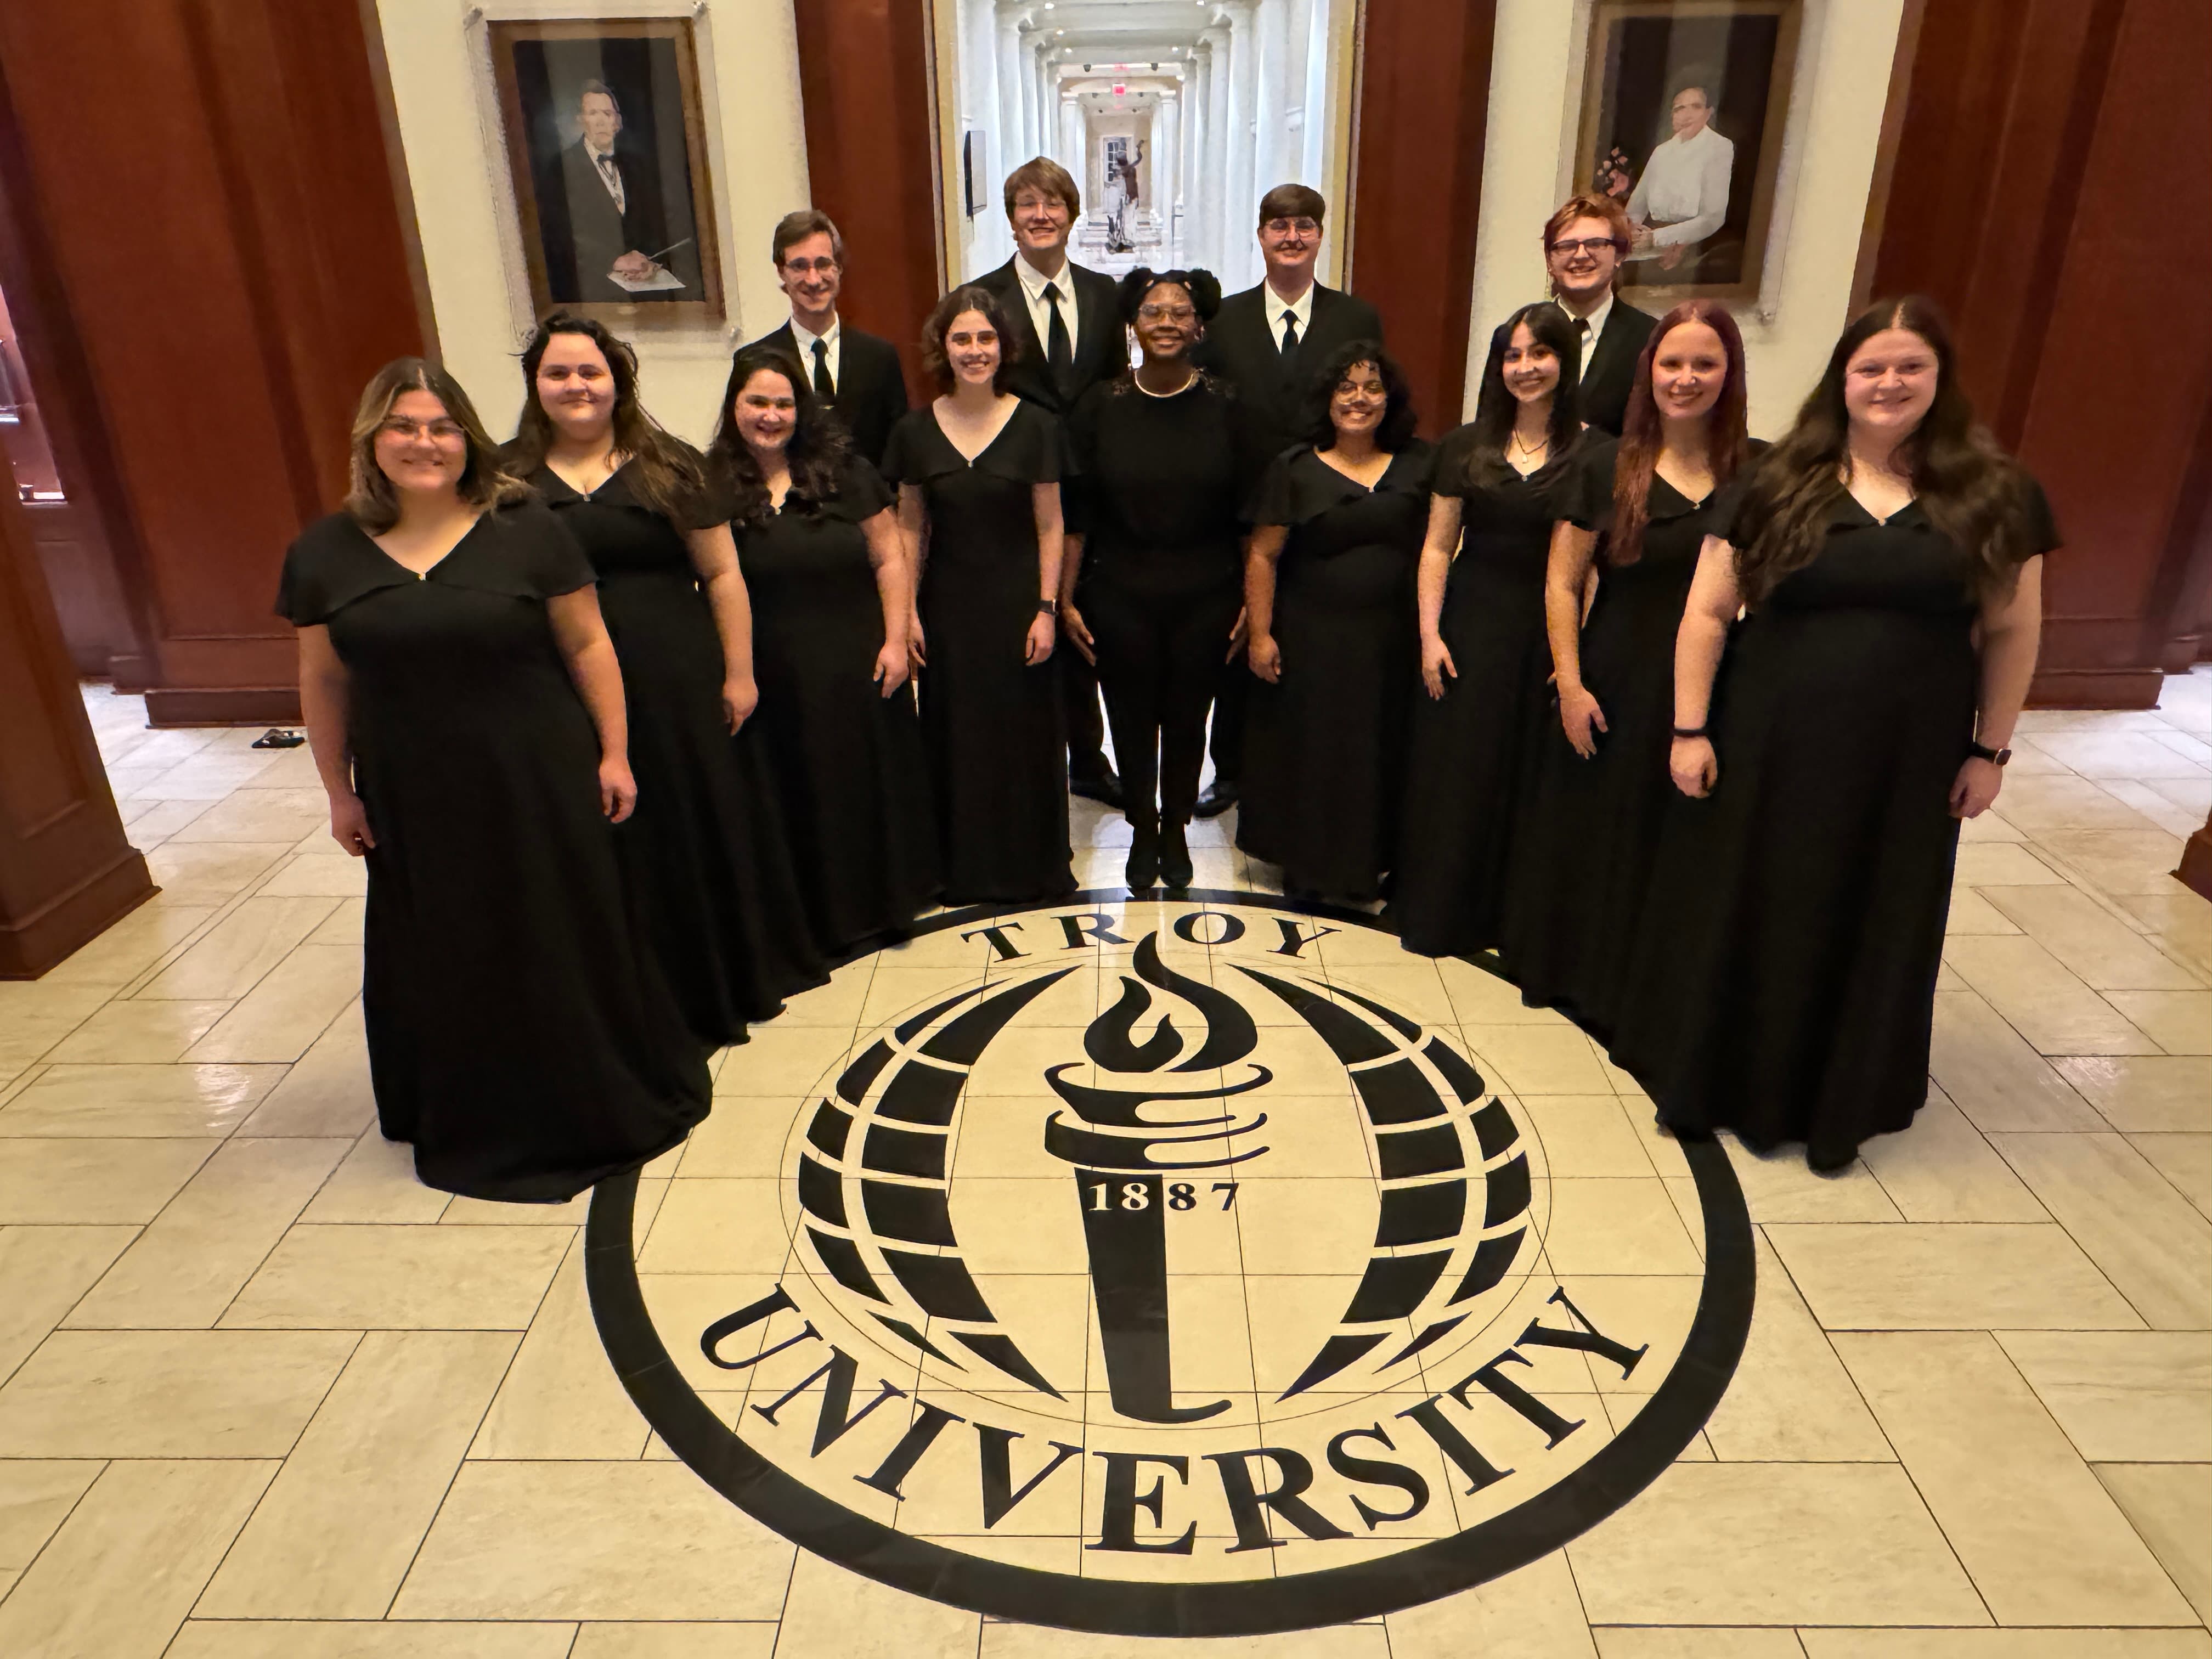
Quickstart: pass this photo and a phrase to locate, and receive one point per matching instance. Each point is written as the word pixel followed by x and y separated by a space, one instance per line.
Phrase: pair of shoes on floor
pixel 1220 795
pixel 1157 855
pixel 1104 787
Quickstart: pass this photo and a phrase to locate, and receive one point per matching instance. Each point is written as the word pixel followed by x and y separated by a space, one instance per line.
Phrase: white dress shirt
pixel 609 176
pixel 1033 282
pixel 1277 308
pixel 805 340
pixel 1685 184
pixel 1591 328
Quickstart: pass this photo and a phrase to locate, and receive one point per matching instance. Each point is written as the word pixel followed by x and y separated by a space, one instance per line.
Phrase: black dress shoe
pixel 1175 857
pixel 1105 789
pixel 1219 798
pixel 1143 868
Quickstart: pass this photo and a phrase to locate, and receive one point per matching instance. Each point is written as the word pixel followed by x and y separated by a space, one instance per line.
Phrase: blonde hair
pixel 370 498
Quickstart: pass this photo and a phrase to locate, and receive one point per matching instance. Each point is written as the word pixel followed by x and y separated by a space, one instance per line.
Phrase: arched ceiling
pixel 1133 35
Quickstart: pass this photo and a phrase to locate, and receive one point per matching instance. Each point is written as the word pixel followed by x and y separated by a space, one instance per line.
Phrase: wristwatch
pixel 1982 751
pixel 1047 607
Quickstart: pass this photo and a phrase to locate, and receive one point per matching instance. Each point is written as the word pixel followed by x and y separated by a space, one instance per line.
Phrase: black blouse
pixel 518 551
pixel 1674 525
pixel 1029 449
pixel 1300 487
pixel 1157 476
pixel 622 534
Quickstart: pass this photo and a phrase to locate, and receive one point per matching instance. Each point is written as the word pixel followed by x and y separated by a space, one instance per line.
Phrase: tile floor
pixel 261 1395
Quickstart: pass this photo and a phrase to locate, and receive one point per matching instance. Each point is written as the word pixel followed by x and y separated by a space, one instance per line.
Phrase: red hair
pixel 1643 434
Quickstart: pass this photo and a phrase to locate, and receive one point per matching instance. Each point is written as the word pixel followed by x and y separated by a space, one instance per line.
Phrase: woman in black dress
pixel 1160 473
pixel 819 546
pixel 466 715
pixel 1499 482
pixel 1890 556
pixel 1328 595
pixel 1637 508
pixel 978 476
pixel 705 851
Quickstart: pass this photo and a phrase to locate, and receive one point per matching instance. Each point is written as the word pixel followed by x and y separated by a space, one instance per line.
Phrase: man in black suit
pixel 1583 244
pixel 600 208
pixel 1068 337
pixel 1269 341
pixel 857 374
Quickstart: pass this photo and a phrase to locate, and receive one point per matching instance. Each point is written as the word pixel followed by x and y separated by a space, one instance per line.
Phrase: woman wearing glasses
pixel 1160 470
pixel 466 715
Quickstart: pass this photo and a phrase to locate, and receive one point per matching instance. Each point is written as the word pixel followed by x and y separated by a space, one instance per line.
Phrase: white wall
pixel 1835 120
pixel 464 206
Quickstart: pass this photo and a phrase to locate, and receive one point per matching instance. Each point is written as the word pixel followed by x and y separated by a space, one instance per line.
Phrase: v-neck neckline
pixel 1390 461
pixel 593 494
pixel 966 459
pixel 424 574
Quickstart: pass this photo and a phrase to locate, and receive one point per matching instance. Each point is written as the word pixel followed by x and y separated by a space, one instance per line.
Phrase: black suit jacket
pixel 870 385
pixel 1241 348
pixel 1102 346
pixel 1610 374
pixel 585 232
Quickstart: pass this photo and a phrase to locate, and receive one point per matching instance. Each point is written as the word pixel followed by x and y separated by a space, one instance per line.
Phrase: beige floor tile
pixel 1340 1641
pixel 594 1541
pixel 138 1033
pixel 233 956
pixel 343 925
pixel 44 1270
pixel 1709 1642
pixel 1538 1060
pixel 402 1278
pixel 561 1398
pixel 2148 1240
pixel 35 1498
pixel 831 1611
pixel 2118 755
pixel 782 1061
pixel 2170 1506
pixel 2000 864
pixel 327 1092
pixel 2116 860
pixel 675 1641
pixel 2160 807
pixel 2103 952
pixel 1994 1077
pixel 1942 1276
pixel 2123 1396
pixel 1587 1135
pixel 93 1183
pixel 131 1101
pixel 338 1528
pixel 253 814
pixel 2018 1504
pixel 120 1576
pixel 2180 1022
pixel 1773 1543
pixel 169 1394
pixel 2007 1645
pixel 1942 1168
pixel 1483 998
pixel 2145 1091
pixel 2041 1001
pixel 2062 801
pixel 2182 921
pixel 328 874
pixel 288 1010
pixel 1989 827
pixel 210 1638
pixel 195 1256
pixel 2183 1159
pixel 1532 1612
pixel 153 821
pixel 210 871
pixel 376 1183
pixel 717 1225
pixel 1616 1226
pixel 1778 1186
pixel 1790 1401
pixel 130 947
pixel 1972 913
pixel 740 1138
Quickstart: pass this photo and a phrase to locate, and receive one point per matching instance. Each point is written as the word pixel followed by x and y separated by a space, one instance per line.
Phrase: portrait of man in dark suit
pixel 606 210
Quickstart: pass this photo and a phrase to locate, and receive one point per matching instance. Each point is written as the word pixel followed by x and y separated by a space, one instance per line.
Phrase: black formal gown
pixel 1580 872
pixel 1783 980
pixel 520 1034
pixel 705 850
pixel 1157 489
pixel 847 760
pixel 1473 749
pixel 992 725
pixel 1325 756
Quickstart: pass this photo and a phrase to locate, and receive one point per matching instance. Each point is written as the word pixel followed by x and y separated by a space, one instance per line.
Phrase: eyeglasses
pixel 1284 226
pixel 438 432
pixel 808 267
pixel 1165 313
pixel 1592 245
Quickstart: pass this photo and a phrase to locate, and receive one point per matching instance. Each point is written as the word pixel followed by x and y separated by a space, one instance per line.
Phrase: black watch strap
pixel 1982 751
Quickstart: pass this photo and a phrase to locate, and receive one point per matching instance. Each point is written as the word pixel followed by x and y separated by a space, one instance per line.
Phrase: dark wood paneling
pixel 2032 194
pixel 208 183
pixel 863 78
pixel 66 869
pixel 1419 124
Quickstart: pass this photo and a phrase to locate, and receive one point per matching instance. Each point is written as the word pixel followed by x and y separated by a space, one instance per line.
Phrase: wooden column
pixel 206 187
pixel 2033 193
pixel 66 869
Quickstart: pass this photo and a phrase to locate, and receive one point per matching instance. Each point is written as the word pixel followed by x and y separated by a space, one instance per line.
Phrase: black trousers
pixel 1086 726
pixel 1230 697
pixel 1159 663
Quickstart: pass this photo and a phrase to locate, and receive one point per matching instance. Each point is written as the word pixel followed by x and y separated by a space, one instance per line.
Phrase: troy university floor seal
pixel 1184 1266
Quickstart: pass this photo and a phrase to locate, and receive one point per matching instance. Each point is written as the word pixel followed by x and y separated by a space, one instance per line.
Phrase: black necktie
pixel 823 386
pixel 1290 357
pixel 1059 349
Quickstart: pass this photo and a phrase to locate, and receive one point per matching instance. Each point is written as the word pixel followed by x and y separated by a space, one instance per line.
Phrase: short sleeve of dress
pixel 861 493
pixel 331 564
pixel 2043 536
pixel 553 558
pixel 1272 502
pixel 1418 460
pixel 1040 452
pixel 711 502
pixel 902 462
pixel 1449 475
pixel 303 591
pixel 1586 496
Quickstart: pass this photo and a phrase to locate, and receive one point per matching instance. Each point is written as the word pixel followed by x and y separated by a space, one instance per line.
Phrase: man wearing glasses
pixel 857 373
pixel 1269 341
pixel 1583 245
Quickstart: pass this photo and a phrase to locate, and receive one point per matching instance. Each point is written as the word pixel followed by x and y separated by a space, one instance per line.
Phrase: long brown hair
pixel 1643 434
pixel 1496 408
pixel 370 498
pixel 816 452
pixel 1972 491
pixel 667 475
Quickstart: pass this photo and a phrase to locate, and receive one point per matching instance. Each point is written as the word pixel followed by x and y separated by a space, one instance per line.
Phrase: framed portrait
pixel 606 138
pixel 1684 106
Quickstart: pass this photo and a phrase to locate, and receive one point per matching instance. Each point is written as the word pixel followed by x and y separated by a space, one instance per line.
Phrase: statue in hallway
pixel 1122 158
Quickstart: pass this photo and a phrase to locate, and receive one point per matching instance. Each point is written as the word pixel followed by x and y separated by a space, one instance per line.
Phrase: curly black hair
pixel 816 453
pixel 1395 429
pixel 1203 289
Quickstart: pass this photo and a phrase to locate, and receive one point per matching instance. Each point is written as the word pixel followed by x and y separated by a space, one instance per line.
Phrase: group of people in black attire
pixel 630 738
